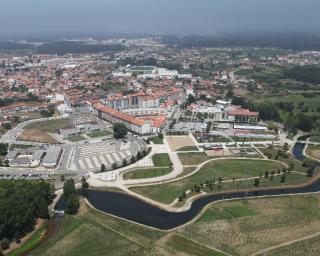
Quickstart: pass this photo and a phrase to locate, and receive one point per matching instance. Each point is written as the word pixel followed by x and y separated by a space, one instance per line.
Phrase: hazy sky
pixel 19 17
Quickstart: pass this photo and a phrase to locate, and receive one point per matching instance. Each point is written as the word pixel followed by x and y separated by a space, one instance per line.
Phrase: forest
pixel 21 203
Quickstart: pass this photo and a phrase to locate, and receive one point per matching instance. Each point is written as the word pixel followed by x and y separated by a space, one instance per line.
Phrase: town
pixel 163 124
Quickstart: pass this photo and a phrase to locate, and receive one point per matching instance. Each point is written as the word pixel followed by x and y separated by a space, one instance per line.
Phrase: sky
pixel 36 17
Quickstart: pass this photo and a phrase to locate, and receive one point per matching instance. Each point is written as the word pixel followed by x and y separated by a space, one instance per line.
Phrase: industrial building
pixel 34 157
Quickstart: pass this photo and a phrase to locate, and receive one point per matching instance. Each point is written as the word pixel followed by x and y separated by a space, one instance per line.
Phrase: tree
pixel 266 174
pixel 3 149
pixel 310 172
pixel 283 178
pixel 84 183
pixel 72 204
pixel 133 160
pixel 69 188
pixel 124 162
pixel 119 130
pixel 191 99
pixel 114 166
pixel 103 168
pixel 139 155
pixel 160 136
pixel 256 182
pixel 43 211
pixel 230 94
pixel 5 244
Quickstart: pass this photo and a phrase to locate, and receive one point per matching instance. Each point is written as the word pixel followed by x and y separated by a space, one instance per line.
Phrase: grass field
pixel 161 160
pixel 188 148
pixel 38 131
pixel 37 135
pixel 313 151
pixel 146 173
pixel 75 138
pixel 98 134
pixel 243 228
pixel 226 169
pixel 93 233
pixel 52 126
pixel 156 140
pixel 29 114
pixel 315 137
pixel 193 158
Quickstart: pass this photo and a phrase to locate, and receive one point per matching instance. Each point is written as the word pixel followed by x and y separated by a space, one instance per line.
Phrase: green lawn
pixel 161 160
pixel 188 148
pixel 193 158
pixel 75 138
pixel 315 137
pixel 52 126
pixel 156 140
pixel 226 169
pixel 146 173
pixel 98 134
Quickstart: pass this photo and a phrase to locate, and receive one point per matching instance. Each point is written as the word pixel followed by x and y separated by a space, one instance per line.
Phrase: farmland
pixel 242 228
pixel 94 233
pixel 265 225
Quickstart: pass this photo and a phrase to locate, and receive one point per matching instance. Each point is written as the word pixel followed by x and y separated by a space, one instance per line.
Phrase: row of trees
pixel 133 159
pixel 72 200
pixel 21 203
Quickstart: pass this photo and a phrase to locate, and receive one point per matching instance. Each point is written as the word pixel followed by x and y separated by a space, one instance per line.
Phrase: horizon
pixel 204 17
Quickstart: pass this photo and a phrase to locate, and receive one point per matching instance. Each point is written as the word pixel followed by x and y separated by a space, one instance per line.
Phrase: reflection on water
pixel 131 208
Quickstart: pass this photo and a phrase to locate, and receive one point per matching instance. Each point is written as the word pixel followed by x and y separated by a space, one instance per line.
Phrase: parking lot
pixel 90 156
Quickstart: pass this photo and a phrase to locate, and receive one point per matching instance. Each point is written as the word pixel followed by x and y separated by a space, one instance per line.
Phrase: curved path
pixel 133 209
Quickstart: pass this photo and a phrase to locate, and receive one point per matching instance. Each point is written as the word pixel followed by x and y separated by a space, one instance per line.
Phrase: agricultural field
pixel 146 173
pixel 243 228
pixel 93 233
pixel 160 160
pixel 178 142
pixel 212 171
pixel 265 226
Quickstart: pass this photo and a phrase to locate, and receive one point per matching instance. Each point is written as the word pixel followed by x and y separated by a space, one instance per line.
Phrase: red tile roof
pixel 119 115
pixel 242 112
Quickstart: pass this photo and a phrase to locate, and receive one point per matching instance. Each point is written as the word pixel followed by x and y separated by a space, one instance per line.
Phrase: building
pixel 52 157
pixel 240 115
pixel 113 116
